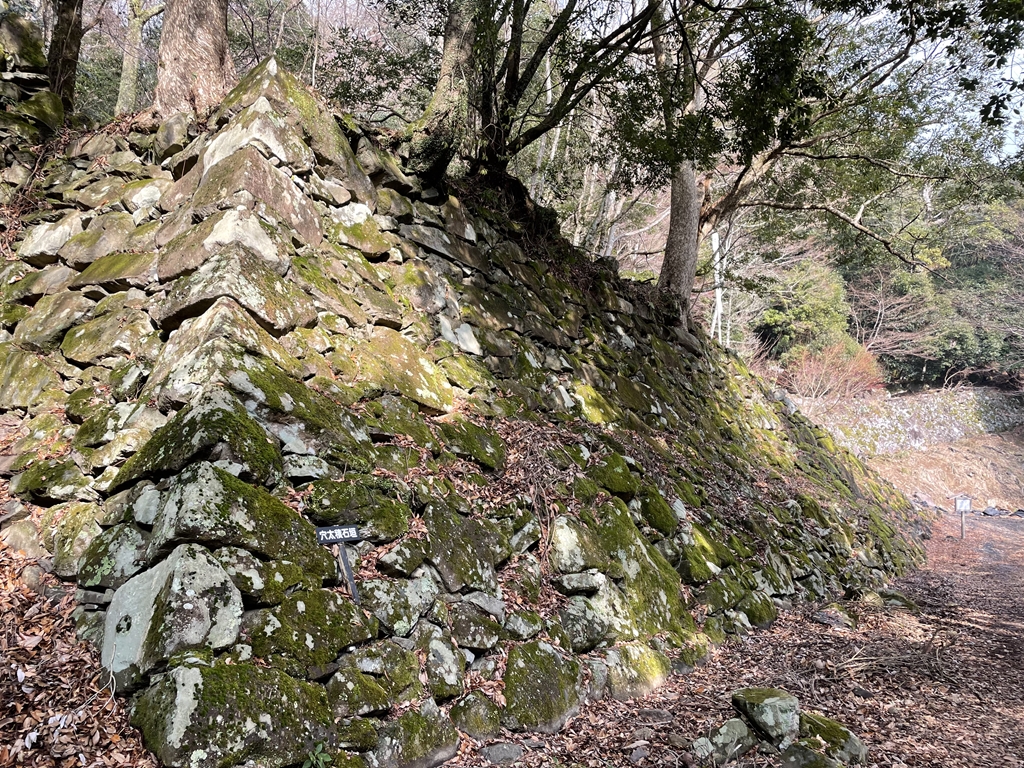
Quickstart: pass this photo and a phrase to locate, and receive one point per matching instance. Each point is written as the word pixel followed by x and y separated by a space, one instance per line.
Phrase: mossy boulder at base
pixel 200 716
pixel 185 603
pixel 419 739
pixel 839 741
pixel 772 712
pixel 540 688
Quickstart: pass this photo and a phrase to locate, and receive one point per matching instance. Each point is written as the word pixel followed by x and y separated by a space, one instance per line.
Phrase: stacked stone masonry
pixel 215 340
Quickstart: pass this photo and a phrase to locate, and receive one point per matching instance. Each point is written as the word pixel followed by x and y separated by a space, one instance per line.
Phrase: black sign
pixel 339 534
pixel 335 534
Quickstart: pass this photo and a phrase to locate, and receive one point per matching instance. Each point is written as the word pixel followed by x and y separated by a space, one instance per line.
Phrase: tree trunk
pixel 128 91
pixel 65 46
pixel 194 69
pixel 437 135
pixel 679 269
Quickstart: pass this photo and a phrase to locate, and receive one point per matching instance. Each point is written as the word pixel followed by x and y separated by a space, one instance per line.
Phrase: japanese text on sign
pixel 337 533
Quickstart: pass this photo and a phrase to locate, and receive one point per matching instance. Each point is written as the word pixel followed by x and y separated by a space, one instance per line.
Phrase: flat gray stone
pixel 184 602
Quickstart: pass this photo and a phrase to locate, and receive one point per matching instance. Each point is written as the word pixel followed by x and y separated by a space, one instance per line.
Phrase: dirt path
pixel 942 687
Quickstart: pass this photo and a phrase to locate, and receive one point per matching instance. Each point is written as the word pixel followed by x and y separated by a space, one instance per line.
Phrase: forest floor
pixel 939 686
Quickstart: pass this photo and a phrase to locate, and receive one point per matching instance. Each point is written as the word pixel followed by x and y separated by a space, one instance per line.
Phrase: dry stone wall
pixel 884 426
pixel 215 340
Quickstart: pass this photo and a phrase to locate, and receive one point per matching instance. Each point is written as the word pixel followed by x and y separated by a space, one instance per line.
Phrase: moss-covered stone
pixel 208 505
pixel 419 738
pixel 388 362
pixel 352 692
pixel 308 629
pixel 68 530
pixel 635 670
pixel 650 587
pixel 263 582
pixel 839 741
pixel 657 512
pixel 759 608
pixel 480 444
pixel 210 716
pixel 113 557
pixel 464 551
pixel 50 480
pixel 215 426
pixel 540 688
pixel 614 476
pixel 477 716
pixel 375 504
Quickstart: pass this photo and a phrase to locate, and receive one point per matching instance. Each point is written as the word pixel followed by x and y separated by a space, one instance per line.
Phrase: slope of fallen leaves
pixel 935 688
pixel 54 708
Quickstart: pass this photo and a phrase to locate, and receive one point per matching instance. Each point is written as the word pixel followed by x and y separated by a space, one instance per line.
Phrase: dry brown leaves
pixel 55 709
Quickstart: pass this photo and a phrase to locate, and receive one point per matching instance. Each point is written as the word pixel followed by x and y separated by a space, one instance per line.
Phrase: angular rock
pixel 208 349
pixel 574 548
pixel 840 742
pixel 417 739
pixel 208 505
pixel 246 178
pixel 24 378
pixel 390 362
pixel 51 317
pixel 309 629
pixel 119 272
pixel 585 626
pixel 477 715
pixel 100 193
pixel 239 274
pixel 635 670
pixel 800 755
pixel 216 426
pixel 127 333
pixel 730 741
pixel 773 712
pixel 540 688
pixel 388 601
pixel 43 241
pixel 289 97
pixel 211 716
pixel 190 250
pixel 259 126
pixel 464 551
pixel 186 602
pixel 113 557
pixel 363 500
pixel 263 582
pixel 105 235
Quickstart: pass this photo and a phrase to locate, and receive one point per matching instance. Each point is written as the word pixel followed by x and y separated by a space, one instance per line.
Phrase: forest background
pixel 840 183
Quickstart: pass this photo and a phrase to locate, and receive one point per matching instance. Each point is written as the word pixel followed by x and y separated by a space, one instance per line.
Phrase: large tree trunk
pixel 65 46
pixel 194 69
pixel 437 135
pixel 128 91
pixel 679 269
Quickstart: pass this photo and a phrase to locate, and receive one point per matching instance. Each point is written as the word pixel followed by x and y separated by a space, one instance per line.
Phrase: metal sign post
pixel 339 535
pixel 963 506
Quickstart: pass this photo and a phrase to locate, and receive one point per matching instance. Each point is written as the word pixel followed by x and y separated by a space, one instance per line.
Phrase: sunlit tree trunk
pixel 194 68
pixel 128 91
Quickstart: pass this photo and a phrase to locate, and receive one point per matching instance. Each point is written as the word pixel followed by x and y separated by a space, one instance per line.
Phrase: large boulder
pixel 186 602
pixel 541 691
pixel 207 716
